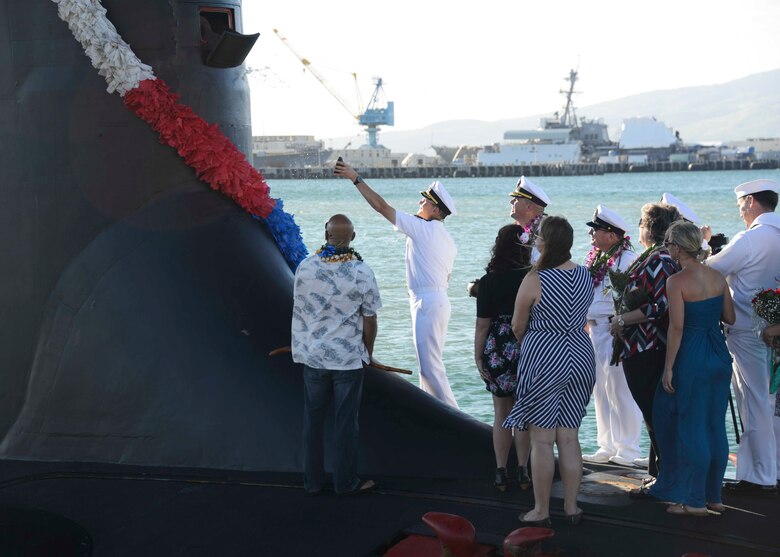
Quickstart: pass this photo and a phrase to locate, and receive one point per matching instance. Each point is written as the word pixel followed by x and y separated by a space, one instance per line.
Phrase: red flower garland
pixel 202 146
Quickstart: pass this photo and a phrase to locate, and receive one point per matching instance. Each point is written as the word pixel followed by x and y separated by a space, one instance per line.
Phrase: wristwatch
pixel 357 180
pixel 621 322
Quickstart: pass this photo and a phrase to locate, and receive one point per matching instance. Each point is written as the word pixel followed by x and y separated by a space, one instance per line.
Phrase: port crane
pixel 378 112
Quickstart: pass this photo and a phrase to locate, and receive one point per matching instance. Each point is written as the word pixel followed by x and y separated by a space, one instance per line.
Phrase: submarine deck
pixel 132 510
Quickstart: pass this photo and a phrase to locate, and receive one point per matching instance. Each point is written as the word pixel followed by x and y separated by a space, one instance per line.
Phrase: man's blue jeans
pixel 345 389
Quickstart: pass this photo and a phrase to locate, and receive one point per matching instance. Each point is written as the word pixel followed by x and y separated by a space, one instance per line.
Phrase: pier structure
pixel 484 171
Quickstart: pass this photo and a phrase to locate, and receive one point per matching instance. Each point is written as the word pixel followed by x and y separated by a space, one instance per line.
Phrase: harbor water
pixel 482 208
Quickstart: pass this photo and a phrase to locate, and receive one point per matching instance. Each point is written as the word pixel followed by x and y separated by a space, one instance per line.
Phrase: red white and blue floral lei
pixel 216 160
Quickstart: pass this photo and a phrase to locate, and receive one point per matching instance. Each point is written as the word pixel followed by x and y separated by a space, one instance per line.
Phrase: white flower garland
pixel 203 147
pixel 108 52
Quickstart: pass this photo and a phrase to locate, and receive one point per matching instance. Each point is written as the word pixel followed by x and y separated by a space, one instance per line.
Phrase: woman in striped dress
pixel 557 367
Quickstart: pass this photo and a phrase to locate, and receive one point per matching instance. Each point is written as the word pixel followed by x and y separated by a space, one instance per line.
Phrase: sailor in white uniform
pixel 751 262
pixel 689 215
pixel 430 255
pixel 618 419
pixel 528 201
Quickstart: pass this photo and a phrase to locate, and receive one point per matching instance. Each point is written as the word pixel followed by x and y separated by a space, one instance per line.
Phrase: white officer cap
pixel 755 186
pixel 686 212
pixel 527 189
pixel 439 196
pixel 606 218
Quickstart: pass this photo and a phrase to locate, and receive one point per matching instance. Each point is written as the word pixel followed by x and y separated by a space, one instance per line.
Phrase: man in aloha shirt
pixel 334 326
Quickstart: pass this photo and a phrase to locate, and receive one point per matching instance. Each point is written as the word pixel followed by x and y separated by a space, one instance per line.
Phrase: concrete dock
pixel 460 171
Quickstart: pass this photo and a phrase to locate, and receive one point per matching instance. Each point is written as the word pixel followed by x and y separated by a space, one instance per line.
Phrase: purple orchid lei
pixel 529 231
pixel 598 262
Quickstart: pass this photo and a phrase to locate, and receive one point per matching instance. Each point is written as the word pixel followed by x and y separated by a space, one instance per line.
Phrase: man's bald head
pixel 339 231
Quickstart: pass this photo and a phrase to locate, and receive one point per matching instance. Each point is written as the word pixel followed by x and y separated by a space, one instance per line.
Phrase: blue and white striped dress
pixel 557 369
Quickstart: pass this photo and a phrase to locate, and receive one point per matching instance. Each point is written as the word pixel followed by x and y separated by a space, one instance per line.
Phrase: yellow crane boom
pixel 307 64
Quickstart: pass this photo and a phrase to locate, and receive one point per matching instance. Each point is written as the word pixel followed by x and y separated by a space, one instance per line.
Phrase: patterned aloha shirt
pixel 650 275
pixel 329 302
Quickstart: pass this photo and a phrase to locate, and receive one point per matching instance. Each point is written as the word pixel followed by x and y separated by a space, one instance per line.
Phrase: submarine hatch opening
pixel 220 44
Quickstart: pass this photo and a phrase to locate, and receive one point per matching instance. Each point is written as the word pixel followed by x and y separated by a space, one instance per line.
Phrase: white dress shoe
pixel 642 462
pixel 599 457
pixel 621 461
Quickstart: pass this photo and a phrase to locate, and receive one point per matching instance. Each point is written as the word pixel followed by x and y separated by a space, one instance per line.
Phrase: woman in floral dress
pixel 495 348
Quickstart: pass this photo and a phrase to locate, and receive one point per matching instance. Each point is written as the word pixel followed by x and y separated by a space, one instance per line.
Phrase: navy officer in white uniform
pixel 528 202
pixel 751 262
pixel 618 419
pixel 430 255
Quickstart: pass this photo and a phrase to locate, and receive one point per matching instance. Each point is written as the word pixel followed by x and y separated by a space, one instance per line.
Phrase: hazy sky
pixel 492 59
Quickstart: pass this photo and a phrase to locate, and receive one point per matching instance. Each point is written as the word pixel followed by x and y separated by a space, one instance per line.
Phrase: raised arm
pixel 733 257
pixel 376 201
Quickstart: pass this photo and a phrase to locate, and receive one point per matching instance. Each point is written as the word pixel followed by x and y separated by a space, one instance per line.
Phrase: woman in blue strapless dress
pixel 690 403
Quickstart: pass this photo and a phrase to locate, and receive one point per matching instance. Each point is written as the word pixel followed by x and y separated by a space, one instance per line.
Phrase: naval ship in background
pixel 562 139
pixel 288 151
pixel 564 144
pixel 142 411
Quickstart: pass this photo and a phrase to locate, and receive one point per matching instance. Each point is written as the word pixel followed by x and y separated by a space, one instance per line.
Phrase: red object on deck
pixel 415 546
pixel 456 534
pixel 525 542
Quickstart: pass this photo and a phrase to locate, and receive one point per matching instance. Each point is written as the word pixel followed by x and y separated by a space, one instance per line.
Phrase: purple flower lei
pixel 598 262
pixel 529 231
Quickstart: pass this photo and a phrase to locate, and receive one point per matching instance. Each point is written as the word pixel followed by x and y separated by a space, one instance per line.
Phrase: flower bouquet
pixel 625 300
pixel 766 305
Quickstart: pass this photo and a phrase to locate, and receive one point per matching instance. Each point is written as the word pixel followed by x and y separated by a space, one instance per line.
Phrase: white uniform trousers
pixel 430 315
pixel 618 419
pixel 757 455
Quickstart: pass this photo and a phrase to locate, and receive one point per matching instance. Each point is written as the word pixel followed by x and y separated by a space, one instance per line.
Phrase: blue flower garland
pixel 332 254
pixel 286 233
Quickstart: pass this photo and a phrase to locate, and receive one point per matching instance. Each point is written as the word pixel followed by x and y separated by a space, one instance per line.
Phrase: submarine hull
pixel 145 304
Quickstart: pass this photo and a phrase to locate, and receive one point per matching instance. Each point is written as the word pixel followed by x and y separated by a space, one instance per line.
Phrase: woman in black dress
pixel 496 351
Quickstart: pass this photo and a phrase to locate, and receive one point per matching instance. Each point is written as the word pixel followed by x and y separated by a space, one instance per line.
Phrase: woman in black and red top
pixel 643 330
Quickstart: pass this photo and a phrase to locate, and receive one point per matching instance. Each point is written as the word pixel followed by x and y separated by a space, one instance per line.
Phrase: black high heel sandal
pixel 574 519
pixel 501 480
pixel 523 479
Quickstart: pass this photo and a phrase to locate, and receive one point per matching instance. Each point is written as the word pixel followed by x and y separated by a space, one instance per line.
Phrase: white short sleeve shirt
pixel 430 252
pixel 751 263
